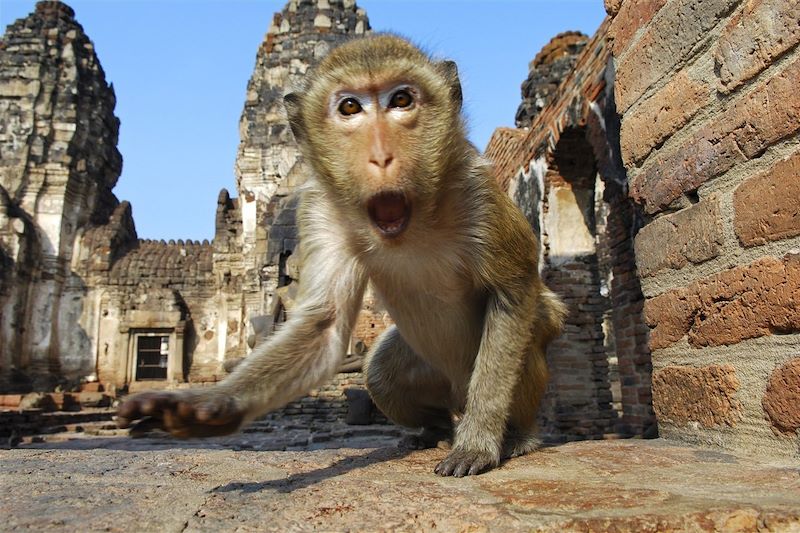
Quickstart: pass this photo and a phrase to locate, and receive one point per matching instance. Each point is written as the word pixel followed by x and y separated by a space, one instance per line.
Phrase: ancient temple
pixel 657 165
pixel 81 296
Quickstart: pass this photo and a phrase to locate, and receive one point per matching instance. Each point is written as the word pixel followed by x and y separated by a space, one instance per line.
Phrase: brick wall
pixel 710 114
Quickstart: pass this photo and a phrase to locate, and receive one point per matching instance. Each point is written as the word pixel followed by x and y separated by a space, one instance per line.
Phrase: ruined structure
pixel 547 70
pixel 81 296
pixel 657 161
pixel 683 217
pixel 268 165
pixel 565 173
pixel 59 164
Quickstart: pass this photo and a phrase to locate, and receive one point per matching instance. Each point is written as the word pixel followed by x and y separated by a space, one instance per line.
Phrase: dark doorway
pixel 152 353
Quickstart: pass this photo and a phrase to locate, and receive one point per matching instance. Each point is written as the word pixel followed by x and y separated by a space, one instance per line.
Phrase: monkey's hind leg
pixel 522 433
pixel 409 391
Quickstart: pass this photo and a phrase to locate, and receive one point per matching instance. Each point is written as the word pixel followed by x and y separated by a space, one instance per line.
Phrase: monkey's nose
pixel 381 160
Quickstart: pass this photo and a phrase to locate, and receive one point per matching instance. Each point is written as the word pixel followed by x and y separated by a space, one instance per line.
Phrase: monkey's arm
pixel 507 261
pixel 301 355
pixel 479 436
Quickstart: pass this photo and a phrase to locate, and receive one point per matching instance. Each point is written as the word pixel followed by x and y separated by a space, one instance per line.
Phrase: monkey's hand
pixel 183 414
pixel 464 462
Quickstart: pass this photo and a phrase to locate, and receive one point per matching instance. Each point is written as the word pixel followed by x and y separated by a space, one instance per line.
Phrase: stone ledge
pixel 632 485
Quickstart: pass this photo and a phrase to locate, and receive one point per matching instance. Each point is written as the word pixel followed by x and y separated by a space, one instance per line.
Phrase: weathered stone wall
pixel 710 112
pixel 59 162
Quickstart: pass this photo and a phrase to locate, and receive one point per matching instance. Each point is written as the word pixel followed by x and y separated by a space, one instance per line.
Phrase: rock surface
pixel 120 484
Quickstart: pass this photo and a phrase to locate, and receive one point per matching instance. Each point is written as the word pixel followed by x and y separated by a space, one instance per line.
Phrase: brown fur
pixel 460 279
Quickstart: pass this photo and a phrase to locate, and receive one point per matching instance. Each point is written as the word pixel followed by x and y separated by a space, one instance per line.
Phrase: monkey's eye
pixel 349 106
pixel 401 98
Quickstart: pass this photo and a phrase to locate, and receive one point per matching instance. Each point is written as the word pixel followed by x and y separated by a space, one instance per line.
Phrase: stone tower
pixel 546 72
pixel 268 165
pixel 58 164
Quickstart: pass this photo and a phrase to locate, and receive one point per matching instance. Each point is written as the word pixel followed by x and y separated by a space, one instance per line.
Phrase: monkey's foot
pixel 430 437
pixel 183 414
pixel 517 446
pixel 460 463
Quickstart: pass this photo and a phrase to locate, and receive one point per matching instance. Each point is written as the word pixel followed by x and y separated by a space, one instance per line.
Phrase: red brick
pixel 781 401
pixel 767 206
pixel 693 235
pixel 758 34
pixel 746 302
pixel 706 395
pixel 10 401
pixel 667 41
pixel 746 128
pixel 630 16
pixel 660 116
pixel 503 150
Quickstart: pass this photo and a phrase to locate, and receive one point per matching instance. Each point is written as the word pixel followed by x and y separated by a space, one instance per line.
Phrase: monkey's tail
pixel 552 314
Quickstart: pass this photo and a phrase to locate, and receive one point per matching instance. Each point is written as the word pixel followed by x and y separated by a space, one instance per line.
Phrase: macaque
pixel 401 199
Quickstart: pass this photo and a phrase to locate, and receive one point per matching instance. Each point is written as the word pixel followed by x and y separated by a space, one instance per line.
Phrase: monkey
pixel 401 199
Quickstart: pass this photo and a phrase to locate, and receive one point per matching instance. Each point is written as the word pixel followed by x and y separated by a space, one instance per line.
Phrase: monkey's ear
pixel 450 71
pixel 292 104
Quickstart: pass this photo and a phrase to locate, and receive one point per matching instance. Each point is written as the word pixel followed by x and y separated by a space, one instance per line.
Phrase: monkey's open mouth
pixel 390 212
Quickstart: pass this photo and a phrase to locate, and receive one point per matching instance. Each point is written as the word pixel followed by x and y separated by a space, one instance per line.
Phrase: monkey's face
pixel 378 122
pixel 375 130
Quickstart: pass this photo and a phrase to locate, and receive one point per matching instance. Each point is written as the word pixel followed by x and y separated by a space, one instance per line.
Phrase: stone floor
pixel 356 479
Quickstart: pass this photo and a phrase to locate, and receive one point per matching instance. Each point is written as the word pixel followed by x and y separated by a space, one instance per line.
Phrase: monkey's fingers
pixel 143 405
pixel 460 463
pixel 199 417
pixel 143 427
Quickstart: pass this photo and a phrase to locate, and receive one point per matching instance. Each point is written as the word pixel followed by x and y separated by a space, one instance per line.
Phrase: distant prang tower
pixel 268 165
pixel 58 164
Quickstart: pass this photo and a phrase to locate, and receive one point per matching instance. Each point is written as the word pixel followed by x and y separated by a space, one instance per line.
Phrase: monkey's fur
pixel 401 199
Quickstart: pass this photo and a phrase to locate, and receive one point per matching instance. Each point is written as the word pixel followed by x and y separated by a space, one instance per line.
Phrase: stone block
pixel 359 407
pixel 704 395
pixel 767 206
pixel 661 115
pixel 668 40
pixel 93 386
pixel 692 236
pixel 92 399
pixel 10 401
pixel 749 301
pixel 631 16
pixel 612 6
pixel 754 38
pixel 781 401
pixel 742 131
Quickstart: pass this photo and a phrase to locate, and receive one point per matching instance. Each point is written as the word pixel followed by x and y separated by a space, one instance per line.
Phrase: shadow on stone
pixel 306 479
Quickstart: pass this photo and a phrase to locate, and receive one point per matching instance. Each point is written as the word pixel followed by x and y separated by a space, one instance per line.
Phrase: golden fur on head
pixel 426 153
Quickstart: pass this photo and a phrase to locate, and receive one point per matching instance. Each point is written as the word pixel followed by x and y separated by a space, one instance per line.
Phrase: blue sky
pixel 180 70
